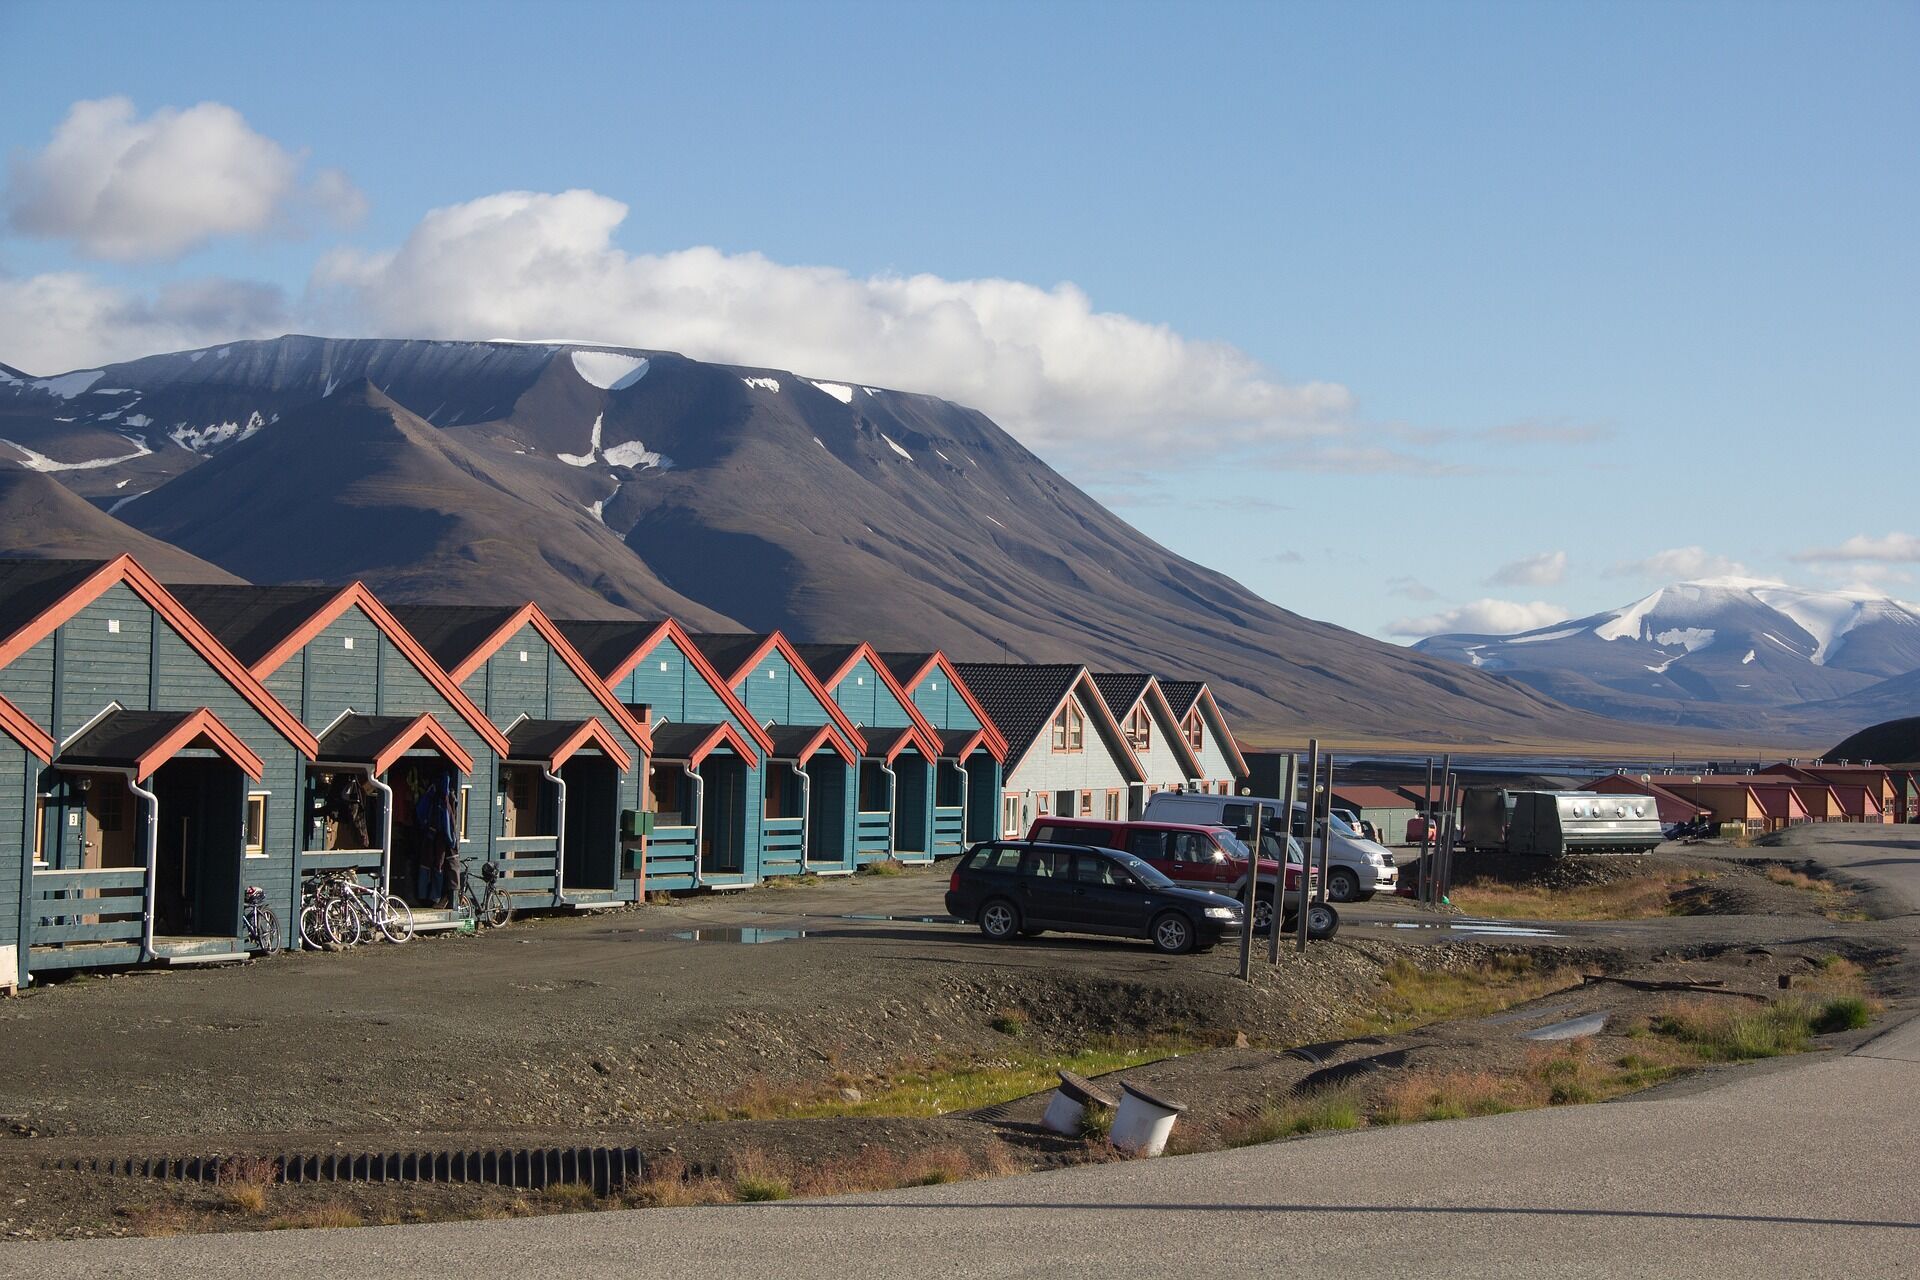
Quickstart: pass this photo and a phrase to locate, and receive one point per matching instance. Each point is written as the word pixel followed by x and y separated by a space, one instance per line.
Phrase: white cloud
pixel 56 322
pixel 1677 563
pixel 1481 617
pixel 1043 361
pixel 1897 548
pixel 1411 588
pixel 1548 569
pixel 131 189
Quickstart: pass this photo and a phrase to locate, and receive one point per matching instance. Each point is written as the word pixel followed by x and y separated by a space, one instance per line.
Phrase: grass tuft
pixel 1844 1013
pixel 1641 897
pixel 1410 996
pixel 332 1215
pixel 1010 1022
pixel 1724 1032
pixel 1096 1122
pixel 884 867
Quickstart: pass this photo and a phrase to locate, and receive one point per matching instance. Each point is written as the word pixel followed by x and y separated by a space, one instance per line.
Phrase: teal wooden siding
pixel 16 855
pixel 867 700
pixel 674 688
pixel 942 704
pixel 28 682
pixel 773 692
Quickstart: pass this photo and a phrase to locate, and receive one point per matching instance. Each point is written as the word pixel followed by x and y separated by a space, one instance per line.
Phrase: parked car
pixel 1190 855
pixel 1014 888
pixel 1357 868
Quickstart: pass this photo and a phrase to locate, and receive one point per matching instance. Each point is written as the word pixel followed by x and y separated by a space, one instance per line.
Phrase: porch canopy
pixel 378 741
pixel 958 744
pixel 799 742
pixel 144 740
pixel 554 742
pixel 692 741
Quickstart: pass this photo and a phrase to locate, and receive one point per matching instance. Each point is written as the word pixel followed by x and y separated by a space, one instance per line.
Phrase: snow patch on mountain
pixel 33 460
pixel 1688 638
pixel 593 447
pixel 765 384
pixel 1550 635
pixel 68 385
pixel 631 454
pixel 609 370
pixel 206 439
pixel 839 391
pixel 895 446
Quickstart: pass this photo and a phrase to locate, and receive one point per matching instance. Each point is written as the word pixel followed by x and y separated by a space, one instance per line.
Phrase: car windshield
pixel 1143 872
pixel 1270 848
pixel 1232 843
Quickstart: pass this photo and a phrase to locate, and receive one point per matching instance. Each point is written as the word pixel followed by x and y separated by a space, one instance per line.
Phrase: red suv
pixel 1196 857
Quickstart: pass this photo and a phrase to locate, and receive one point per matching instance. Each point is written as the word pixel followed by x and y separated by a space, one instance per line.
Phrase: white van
pixel 1357 868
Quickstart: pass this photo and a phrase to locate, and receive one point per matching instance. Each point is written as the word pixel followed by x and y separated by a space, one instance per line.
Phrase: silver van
pixel 1357 868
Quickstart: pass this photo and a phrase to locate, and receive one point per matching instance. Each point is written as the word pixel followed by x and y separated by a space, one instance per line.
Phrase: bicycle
pixel 490 906
pixel 392 917
pixel 327 919
pixel 263 927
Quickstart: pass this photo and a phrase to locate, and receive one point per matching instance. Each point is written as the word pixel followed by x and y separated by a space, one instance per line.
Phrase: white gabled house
pixel 1153 732
pixel 1205 731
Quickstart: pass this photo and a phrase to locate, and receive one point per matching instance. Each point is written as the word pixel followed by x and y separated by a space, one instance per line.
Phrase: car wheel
pixel 1172 934
pixel 1000 920
pixel 1262 914
pixel 1343 885
pixel 1322 921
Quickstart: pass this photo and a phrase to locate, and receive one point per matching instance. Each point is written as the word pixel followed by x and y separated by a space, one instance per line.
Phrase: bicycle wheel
pixel 263 930
pixel 463 900
pixel 396 920
pixel 343 923
pixel 313 926
pixel 498 908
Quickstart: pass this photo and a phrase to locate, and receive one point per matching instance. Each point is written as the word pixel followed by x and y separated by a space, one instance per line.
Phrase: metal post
pixel 1448 834
pixel 1326 845
pixel 1253 899
pixel 1425 886
pixel 1442 832
pixel 1313 777
pixel 1285 819
pixel 560 834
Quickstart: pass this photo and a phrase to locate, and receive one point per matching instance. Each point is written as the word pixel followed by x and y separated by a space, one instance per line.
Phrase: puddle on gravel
pixel 1481 928
pixel 880 916
pixel 739 937
pixel 1572 1029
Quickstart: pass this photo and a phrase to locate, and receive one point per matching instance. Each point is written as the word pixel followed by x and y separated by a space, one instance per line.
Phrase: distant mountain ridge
pixel 1712 652
pixel 597 479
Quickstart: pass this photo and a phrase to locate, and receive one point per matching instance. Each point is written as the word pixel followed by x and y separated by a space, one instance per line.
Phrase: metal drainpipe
pixel 151 803
pixel 893 809
pixel 966 796
pixel 560 838
pixel 806 810
pixel 386 832
pixel 699 815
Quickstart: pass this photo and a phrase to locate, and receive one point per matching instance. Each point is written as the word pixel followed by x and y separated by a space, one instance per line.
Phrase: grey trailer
pixel 1552 823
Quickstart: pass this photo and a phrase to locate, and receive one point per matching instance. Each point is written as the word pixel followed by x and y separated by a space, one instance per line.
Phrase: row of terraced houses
pixel 164 748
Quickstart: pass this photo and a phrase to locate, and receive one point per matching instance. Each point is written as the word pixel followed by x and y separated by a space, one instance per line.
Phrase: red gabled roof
pixel 591 733
pixel 200 725
pixel 669 629
pixel 778 641
pixel 423 728
pixel 1087 694
pixel 531 613
pixel 996 742
pixel 913 735
pixel 125 569
pixel 1369 797
pixel 21 728
pixel 826 735
pixel 928 738
pixel 359 594
pixel 721 735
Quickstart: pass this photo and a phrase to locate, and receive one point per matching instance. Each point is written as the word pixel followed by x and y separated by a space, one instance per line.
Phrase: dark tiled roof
pixel 727 652
pixel 825 659
pixel 605 645
pixel 1120 689
pixel 678 739
pixel 121 737
pixel 1018 697
pixel 904 665
pixel 881 742
pixel 951 740
pixel 358 739
pixel 1181 695
pixel 450 632
pixel 28 588
pixel 248 620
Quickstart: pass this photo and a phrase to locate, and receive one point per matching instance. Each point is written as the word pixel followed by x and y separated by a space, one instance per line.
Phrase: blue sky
pixel 1599 296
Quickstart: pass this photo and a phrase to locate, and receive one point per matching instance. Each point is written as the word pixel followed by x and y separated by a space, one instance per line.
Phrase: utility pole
pixel 1326 844
pixel 1253 899
pixel 1306 866
pixel 1425 886
pixel 1285 819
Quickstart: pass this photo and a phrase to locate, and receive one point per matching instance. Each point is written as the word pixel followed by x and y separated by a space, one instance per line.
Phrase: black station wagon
pixel 1015 887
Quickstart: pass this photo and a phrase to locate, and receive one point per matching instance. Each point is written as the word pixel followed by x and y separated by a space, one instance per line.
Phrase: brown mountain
pixel 599 479
pixel 42 518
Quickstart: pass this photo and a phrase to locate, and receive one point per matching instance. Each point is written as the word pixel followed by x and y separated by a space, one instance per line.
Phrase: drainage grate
pixel 603 1168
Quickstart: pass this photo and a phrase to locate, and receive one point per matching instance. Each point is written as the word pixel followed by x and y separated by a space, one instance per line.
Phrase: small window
pixel 1086 804
pixel 466 799
pixel 1069 728
pixel 1148 844
pixel 39 831
pixel 1010 815
pixel 1042 805
pixel 257 825
pixel 1193 730
pixel 1113 806
pixel 995 857
pixel 346 642
pixel 1139 729
pixel 1091 868
pixel 1047 864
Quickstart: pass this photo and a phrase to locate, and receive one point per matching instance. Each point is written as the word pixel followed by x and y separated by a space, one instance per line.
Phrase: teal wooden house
pixel 390 723
pixel 25 748
pixel 972 750
pixel 706 784
pixel 898 814
pixel 810 793
pixel 169 785
pixel 575 756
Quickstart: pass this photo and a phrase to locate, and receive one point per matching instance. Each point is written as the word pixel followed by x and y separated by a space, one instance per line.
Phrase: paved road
pixel 1795 1169
pixel 1885 856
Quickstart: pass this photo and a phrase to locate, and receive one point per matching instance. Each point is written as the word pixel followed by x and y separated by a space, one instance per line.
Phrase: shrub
pixel 1727 1033
pixel 1843 1013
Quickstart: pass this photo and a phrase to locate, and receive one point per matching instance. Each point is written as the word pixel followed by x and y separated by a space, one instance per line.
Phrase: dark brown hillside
pixel 43 519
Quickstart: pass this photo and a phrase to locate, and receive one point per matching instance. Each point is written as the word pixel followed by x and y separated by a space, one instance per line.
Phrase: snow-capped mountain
pixel 1743 642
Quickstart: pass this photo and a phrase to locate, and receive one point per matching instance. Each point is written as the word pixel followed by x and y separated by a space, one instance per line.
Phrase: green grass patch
pixel 1638 897
pixel 1844 1013
pixel 1410 996
pixel 1725 1032
pixel 1319 1111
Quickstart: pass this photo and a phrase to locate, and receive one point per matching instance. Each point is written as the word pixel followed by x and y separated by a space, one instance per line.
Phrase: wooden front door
pixel 109 822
